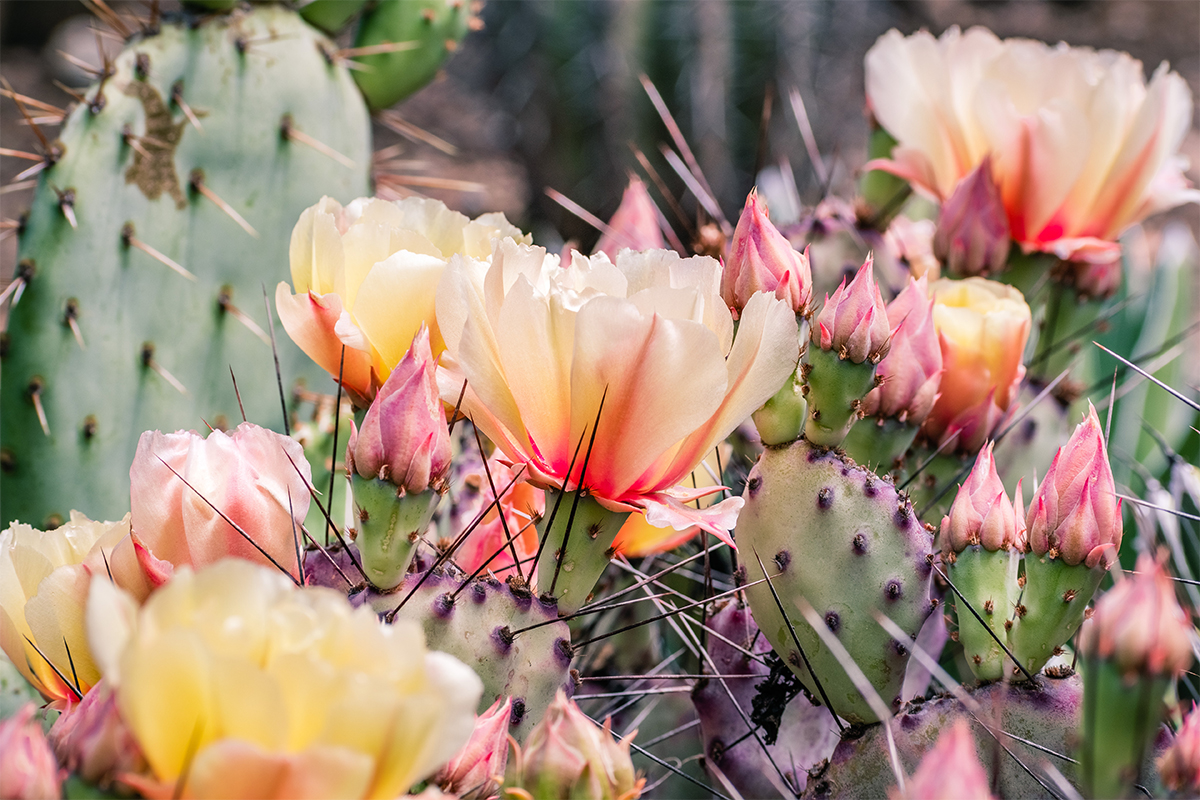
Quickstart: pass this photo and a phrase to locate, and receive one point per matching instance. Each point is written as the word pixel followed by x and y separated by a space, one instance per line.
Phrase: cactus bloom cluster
pixel 1075 514
pixel 1081 145
pixel 761 259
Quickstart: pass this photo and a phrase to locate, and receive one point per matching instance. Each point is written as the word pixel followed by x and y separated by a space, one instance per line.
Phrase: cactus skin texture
pixel 435 26
pixel 240 75
pixel 838 536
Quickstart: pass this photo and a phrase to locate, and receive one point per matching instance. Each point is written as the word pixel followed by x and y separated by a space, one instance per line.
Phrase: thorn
pixel 431 182
pixel 289 131
pixel 197 183
pixel 108 17
pixel 30 101
pixel 287 427
pixel 95 72
pixel 4 151
pixel 129 240
pixel 374 49
pixel 393 120
pixel 225 301
pixel 177 99
pixel 34 390
pixel 148 361
pixel 17 287
pixel 71 319
pixel 28 119
pixel 131 139
pixel 66 203
pixel 581 212
pixel 241 407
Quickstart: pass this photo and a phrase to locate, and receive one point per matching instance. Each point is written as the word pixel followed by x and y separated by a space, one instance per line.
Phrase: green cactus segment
pixel 880 442
pixel 588 529
pixel 488 626
pixel 883 194
pixel 110 338
pixel 781 419
pixel 389 527
pixel 843 539
pixel 988 582
pixel 1051 608
pixel 330 15
pixel 834 387
pixel 1120 721
pixel 424 33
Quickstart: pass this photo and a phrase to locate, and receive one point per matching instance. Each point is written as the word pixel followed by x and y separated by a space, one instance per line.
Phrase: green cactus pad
pixel 330 15
pixel 130 177
pixel 389 525
pixel 833 388
pixel 1120 719
pixel 843 539
pixel 880 443
pixel 588 530
pixel 1051 608
pixel 988 582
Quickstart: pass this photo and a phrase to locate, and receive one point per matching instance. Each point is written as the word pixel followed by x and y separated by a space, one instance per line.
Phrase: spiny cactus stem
pixel 231 523
pixel 312 492
pixel 449 551
pixel 466 582
pixel 592 610
pixel 130 240
pixel 981 621
pixel 487 471
pixel 18 284
pixel 579 493
pixel 196 181
pixel 558 496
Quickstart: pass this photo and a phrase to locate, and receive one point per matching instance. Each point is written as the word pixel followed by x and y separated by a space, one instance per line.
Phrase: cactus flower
pixel 237 683
pixel 44 578
pixel 477 771
pixel 912 369
pixel 1081 146
pixel 761 259
pixel 1076 515
pixel 28 770
pixel 983 326
pixel 92 741
pixel 1140 626
pixel 634 225
pixel 949 771
pixel 854 322
pixel 981 513
pixel 365 277
pixel 972 235
pixel 569 755
pixel 547 349
pixel 255 478
pixel 1179 766
pixel 404 438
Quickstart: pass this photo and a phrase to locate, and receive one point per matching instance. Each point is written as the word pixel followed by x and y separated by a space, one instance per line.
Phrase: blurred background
pixel 546 95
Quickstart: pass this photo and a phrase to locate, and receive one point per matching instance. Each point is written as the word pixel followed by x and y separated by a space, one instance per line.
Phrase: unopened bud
pixel 972 235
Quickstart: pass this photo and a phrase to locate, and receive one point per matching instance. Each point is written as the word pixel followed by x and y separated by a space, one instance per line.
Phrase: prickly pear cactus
pixel 838 537
pixel 148 243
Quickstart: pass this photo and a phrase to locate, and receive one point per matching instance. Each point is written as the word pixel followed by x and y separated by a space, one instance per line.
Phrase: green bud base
pixel 834 387
pixel 880 443
pixel 1120 719
pixel 988 582
pixel 1051 608
pixel 781 419
pixel 389 525
pixel 588 530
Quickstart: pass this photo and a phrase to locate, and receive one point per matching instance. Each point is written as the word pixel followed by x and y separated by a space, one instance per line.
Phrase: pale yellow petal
pixel 395 298
pixel 315 250
pixel 56 618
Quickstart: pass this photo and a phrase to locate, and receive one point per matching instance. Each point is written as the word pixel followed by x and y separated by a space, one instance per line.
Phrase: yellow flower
pixel 365 277
pixel 44 579
pixel 983 326
pixel 252 687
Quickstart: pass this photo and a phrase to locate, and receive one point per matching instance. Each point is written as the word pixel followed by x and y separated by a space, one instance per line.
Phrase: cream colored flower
pixel 256 688
pixel 44 579
pixel 365 277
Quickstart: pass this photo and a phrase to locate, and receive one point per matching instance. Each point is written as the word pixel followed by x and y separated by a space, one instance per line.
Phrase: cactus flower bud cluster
pixel 854 322
pixel 761 259
pixel 1179 766
pixel 911 371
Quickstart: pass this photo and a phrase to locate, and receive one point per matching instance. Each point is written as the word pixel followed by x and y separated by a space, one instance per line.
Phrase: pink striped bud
pixel 761 259
pixel 634 225
pixel 477 771
pixel 950 771
pixel 912 370
pixel 28 770
pixel 981 513
pixel 404 438
pixel 1179 767
pixel 1140 626
pixel 972 235
pixel 854 323
pixel 1076 515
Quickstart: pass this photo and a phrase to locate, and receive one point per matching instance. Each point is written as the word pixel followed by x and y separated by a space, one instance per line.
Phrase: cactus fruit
pixel 424 32
pixel 816 519
pixel 806 733
pixel 111 335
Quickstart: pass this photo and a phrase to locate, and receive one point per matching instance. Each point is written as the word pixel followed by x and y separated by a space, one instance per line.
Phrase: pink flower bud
pixel 1021 537
pixel 404 438
pixel 912 370
pixel 92 740
pixel 950 771
pixel 972 235
pixel 1140 626
pixel 256 479
pixel 634 225
pixel 28 770
pixel 761 259
pixel 1076 515
pixel 1179 766
pixel 981 513
pixel 476 771
pixel 854 322
pixel 568 755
